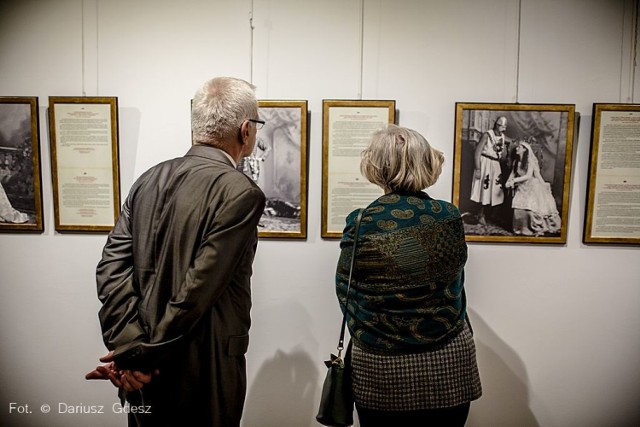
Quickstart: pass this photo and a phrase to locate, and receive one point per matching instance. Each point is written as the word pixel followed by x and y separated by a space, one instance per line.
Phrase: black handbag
pixel 336 402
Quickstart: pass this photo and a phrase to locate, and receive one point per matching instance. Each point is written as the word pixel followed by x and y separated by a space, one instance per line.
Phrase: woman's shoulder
pixel 406 206
pixel 446 207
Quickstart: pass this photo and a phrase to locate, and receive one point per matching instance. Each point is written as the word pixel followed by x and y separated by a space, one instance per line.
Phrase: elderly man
pixel 174 278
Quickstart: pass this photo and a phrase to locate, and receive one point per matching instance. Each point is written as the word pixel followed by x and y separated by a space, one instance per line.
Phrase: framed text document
pixel 613 196
pixel 84 162
pixel 346 132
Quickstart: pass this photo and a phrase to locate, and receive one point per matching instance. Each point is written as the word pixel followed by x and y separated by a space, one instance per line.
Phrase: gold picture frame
pixel 84 162
pixel 513 189
pixel 613 192
pixel 278 165
pixel 347 126
pixel 20 169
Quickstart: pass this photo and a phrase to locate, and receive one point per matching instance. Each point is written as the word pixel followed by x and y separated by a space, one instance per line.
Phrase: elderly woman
pixel 413 358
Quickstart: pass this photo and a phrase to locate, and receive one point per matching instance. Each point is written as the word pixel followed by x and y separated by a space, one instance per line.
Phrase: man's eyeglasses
pixel 259 123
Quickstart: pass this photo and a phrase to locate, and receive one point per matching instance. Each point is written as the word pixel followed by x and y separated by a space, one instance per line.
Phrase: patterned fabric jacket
pixel 407 292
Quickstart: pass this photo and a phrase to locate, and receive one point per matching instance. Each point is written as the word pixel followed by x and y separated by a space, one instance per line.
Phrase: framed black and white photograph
pixel 84 162
pixel 20 176
pixel 278 165
pixel 613 195
pixel 512 171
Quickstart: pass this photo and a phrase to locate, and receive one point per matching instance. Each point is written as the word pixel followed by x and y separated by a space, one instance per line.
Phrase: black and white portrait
pixel 512 171
pixel 278 166
pixel 20 200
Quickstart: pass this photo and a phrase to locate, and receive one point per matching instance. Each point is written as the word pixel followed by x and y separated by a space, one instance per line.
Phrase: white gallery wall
pixel 556 326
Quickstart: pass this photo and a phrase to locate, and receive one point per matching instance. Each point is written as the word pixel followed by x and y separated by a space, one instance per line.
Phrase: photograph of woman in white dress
pixel 7 211
pixel 511 171
pixel 19 197
pixel 534 209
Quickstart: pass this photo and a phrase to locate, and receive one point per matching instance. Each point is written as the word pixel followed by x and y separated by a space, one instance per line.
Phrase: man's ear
pixel 244 132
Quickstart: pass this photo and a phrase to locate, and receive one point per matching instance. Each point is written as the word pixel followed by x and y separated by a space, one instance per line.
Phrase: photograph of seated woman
pixel 413 357
pixel 7 212
pixel 534 208
pixel 16 180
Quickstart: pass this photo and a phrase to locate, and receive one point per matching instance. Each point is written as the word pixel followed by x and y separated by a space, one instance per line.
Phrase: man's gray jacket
pixel 174 281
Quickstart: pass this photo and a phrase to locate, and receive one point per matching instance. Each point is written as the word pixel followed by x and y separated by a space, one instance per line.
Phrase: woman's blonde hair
pixel 400 159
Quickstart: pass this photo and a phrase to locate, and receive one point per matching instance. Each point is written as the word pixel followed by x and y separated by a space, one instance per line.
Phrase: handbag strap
pixel 353 261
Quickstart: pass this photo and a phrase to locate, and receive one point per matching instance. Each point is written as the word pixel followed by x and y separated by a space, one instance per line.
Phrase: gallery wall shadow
pixel 283 392
pixel 505 384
